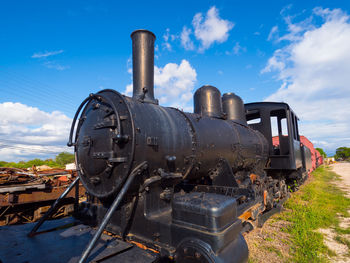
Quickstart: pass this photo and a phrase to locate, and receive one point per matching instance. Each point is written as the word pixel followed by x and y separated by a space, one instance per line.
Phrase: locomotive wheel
pixel 194 251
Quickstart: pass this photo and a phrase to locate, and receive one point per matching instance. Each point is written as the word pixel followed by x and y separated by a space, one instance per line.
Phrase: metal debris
pixel 26 194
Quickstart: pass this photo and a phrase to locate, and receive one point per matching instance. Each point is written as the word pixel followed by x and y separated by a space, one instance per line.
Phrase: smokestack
pixel 143 65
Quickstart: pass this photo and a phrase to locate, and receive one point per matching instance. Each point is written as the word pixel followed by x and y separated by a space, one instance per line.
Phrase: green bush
pixel 63 158
pixel 342 153
pixel 60 161
pixel 321 151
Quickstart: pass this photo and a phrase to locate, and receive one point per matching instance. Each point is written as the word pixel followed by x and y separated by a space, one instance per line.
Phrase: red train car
pixel 316 157
pixel 319 158
pixel 305 141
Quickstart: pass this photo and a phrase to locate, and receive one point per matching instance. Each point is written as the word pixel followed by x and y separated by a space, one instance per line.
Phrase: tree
pixel 3 164
pixel 321 151
pixel 64 157
pixel 342 153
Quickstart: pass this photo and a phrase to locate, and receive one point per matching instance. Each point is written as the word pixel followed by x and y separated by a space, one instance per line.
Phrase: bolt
pixel 156 235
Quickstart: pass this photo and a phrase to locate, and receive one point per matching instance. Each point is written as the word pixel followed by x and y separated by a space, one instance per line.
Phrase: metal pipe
pixel 143 65
pixel 76 201
pixel 53 207
pixel 97 96
pixel 111 210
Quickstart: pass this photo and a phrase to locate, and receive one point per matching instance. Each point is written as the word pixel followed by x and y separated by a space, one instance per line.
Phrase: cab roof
pixel 268 105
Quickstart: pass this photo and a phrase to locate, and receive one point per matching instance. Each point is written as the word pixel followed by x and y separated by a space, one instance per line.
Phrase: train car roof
pixel 269 105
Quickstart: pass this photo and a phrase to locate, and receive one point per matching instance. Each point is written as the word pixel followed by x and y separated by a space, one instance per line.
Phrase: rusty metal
pixel 265 197
pixel 251 212
pixel 54 206
pixel 253 178
pixel 36 196
pixel 15 176
pixel 24 194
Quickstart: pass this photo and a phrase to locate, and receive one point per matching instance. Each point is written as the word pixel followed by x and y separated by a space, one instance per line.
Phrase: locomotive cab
pixel 279 124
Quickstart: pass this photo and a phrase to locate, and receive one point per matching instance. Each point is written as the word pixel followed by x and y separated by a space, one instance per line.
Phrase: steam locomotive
pixel 181 186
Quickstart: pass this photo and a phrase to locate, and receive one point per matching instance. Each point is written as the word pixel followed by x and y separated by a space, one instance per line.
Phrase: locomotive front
pixel 176 182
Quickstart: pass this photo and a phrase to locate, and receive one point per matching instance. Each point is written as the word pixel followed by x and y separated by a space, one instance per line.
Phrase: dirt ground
pixel 343 169
pixel 271 244
pixel 342 251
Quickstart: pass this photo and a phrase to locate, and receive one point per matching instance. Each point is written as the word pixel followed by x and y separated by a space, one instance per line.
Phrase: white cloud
pixel 129 65
pixel 285 9
pixel 128 90
pixel 167 46
pixel 186 41
pixel 55 65
pixel 211 29
pixel 174 85
pixel 296 30
pixel 273 32
pixel 277 61
pixel 27 132
pixel 237 49
pixel 207 30
pixel 314 68
pixel 167 37
pixel 46 54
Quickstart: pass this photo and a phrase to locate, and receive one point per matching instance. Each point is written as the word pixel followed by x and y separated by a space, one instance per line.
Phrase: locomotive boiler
pixel 183 186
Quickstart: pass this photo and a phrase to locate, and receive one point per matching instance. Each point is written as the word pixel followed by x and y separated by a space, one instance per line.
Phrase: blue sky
pixel 54 53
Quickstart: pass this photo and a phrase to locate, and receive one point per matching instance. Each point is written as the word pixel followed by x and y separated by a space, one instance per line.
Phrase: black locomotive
pixel 183 186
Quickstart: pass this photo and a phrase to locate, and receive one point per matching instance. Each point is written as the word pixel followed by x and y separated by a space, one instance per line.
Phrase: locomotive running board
pixel 59 243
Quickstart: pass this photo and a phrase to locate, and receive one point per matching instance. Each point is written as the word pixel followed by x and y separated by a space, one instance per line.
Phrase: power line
pixel 34 95
pixel 4 146
pixel 28 143
pixel 39 86
pixel 37 92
